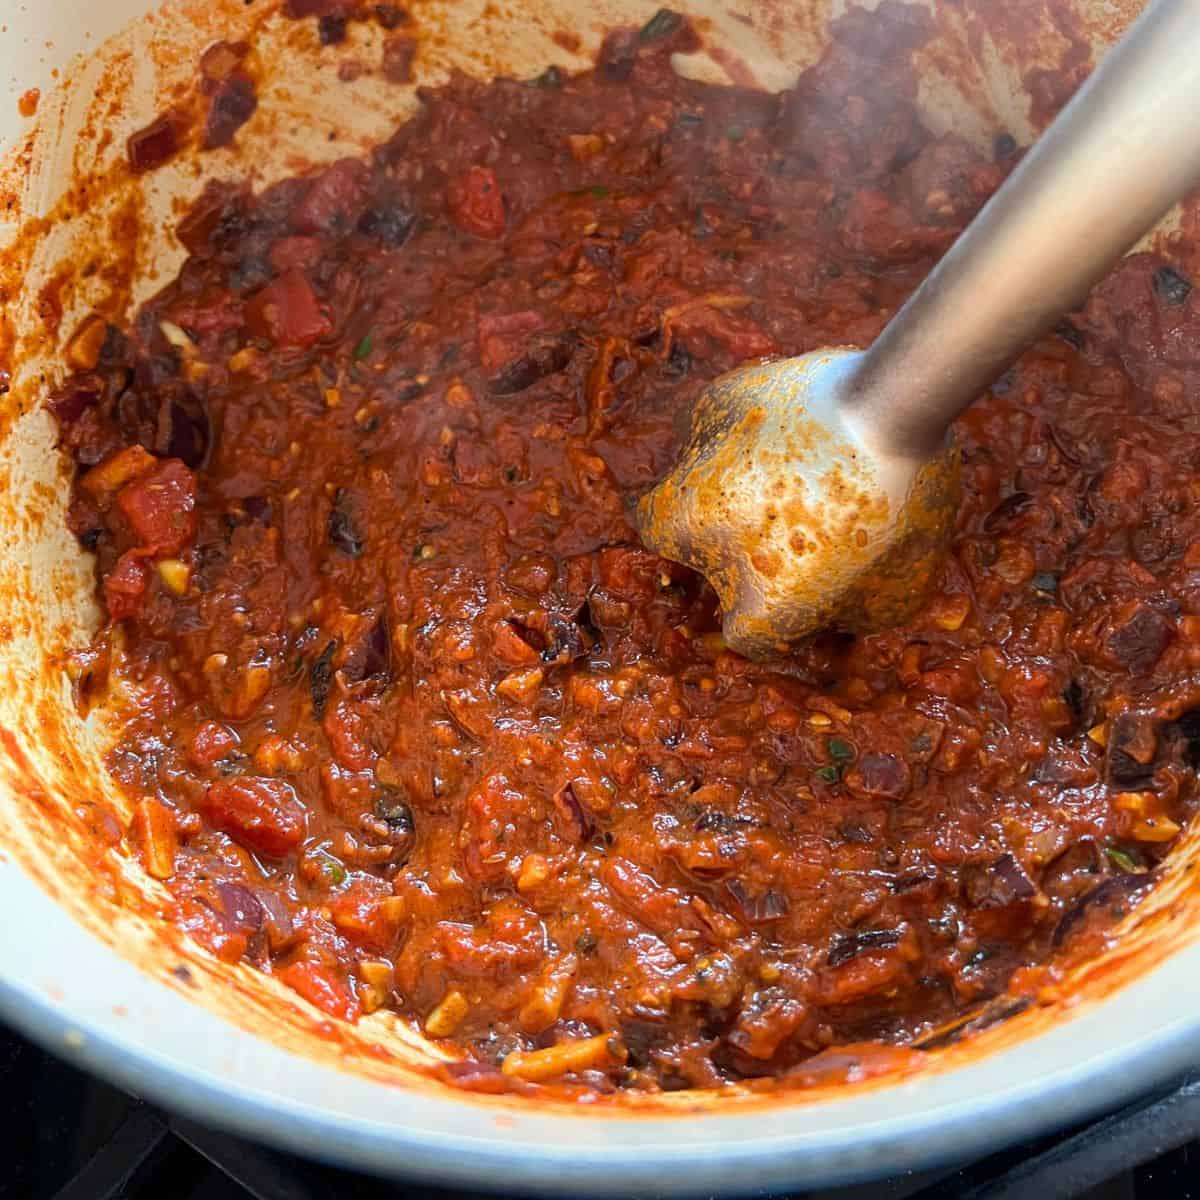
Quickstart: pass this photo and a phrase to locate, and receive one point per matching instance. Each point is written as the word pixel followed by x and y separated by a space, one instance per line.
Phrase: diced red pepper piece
pixel 492 808
pixel 161 507
pixel 125 585
pixel 264 815
pixel 476 203
pixel 287 312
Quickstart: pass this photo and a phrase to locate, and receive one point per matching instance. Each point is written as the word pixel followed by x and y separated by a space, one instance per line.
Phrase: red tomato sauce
pixel 422 725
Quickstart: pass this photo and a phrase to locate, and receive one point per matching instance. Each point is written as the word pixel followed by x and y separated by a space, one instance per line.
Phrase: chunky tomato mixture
pixel 419 722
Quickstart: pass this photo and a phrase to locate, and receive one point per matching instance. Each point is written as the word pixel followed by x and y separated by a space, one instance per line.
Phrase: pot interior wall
pixel 83 234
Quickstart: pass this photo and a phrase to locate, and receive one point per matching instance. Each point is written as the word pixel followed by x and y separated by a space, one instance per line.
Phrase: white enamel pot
pixel 86 965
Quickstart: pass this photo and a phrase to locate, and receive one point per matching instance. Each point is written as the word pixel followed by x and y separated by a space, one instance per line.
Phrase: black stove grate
pixel 75 1138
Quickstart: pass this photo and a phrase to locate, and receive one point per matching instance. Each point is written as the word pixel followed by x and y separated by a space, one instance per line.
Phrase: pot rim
pixel 82 1001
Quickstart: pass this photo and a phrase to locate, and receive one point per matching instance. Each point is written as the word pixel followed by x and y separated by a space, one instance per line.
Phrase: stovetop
pixel 72 1137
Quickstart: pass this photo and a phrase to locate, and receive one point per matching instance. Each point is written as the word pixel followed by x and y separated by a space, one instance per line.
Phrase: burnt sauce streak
pixel 422 726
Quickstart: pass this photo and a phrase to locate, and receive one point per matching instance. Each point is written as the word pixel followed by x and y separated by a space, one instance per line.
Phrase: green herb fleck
pixel 661 25
pixel 840 750
pixel 510 474
pixel 735 133
pixel 828 774
pixel 1128 861
pixel 551 77
pixel 365 346
pixel 333 870
pixel 596 189
pixel 423 552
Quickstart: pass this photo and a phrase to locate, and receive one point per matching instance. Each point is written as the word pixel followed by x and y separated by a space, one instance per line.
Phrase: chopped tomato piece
pixel 216 216
pixel 502 336
pixel 125 585
pixel 214 311
pixel 264 815
pixel 334 202
pixel 295 253
pixel 370 920
pixel 348 736
pixel 211 741
pixel 287 311
pixel 323 987
pixel 347 793
pixel 161 507
pixel 476 203
pixel 492 809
